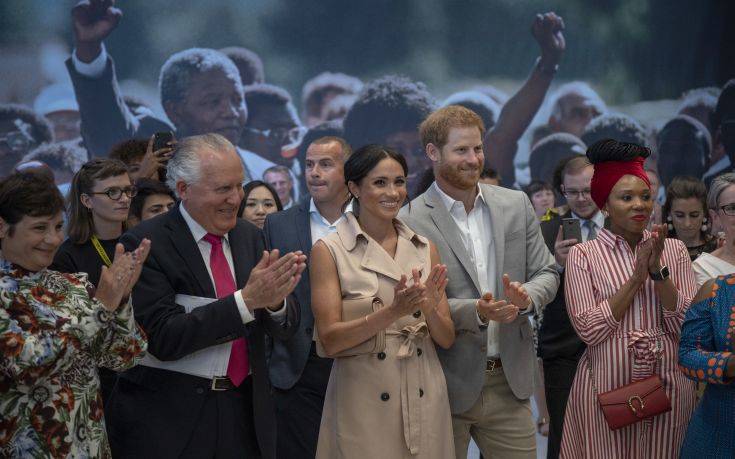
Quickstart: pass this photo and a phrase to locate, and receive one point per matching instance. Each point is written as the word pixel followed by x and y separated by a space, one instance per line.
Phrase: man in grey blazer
pixel 499 271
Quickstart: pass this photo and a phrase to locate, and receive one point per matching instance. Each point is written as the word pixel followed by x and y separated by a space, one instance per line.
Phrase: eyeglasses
pixel 283 134
pixel 115 193
pixel 576 194
pixel 16 141
pixel 728 209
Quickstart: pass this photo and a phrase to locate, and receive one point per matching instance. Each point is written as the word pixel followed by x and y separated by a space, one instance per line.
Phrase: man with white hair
pixel 201 91
pixel 573 106
pixel 208 293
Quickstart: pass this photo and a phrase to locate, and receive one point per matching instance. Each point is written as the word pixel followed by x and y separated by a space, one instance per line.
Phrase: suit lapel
pixel 303 227
pixel 239 255
pixel 449 230
pixel 186 246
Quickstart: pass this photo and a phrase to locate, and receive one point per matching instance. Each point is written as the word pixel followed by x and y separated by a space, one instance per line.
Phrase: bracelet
pixel 545 69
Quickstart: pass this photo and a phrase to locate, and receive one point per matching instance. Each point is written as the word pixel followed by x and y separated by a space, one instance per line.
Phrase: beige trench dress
pixel 386 398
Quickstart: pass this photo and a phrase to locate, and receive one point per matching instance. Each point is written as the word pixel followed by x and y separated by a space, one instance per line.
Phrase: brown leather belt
pixel 221 383
pixel 494 364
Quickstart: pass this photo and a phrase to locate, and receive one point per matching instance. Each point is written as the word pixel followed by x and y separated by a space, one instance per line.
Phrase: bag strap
pixel 658 351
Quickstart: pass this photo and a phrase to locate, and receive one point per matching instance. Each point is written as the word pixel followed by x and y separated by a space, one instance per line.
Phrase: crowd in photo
pixel 369 277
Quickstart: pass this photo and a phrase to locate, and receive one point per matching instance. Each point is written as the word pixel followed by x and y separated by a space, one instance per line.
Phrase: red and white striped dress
pixel 624 351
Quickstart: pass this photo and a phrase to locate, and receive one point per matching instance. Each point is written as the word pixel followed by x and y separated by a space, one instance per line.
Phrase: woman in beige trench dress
pixel 379 305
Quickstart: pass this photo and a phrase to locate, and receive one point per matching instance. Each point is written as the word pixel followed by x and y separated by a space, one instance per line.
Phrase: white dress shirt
pixel 475 230
pixel 320 226
pixel 598 219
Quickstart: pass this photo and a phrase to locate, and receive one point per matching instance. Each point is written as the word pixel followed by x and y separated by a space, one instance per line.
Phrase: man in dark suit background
pixel 298 374
pixel 559 346
pixel 203 391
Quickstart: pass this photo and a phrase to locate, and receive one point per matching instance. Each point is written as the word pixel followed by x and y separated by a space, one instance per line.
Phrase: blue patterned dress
pixel 707 341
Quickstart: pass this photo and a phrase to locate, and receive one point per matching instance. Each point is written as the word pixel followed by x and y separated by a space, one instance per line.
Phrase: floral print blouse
pixel 53 336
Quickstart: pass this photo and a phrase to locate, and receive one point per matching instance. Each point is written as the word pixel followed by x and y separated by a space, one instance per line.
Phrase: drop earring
pixel 704 225
pixel 669 224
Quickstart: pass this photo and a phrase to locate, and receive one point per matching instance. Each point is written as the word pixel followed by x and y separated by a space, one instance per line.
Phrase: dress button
pixel 200 390
pixel 385 396
pixel 419 352
pixel 417 314
pixel 421 392
pixel 381 355
pixel 309 331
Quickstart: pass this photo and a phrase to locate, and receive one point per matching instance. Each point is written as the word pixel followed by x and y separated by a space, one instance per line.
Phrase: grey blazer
pixel 520 252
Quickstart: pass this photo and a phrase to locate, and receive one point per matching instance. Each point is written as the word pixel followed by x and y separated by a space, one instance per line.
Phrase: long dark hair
pixel 80 223
pixel 362 161
pixel 249 187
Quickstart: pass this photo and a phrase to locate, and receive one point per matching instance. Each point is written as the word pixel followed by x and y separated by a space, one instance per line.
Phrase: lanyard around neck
pixel 101 251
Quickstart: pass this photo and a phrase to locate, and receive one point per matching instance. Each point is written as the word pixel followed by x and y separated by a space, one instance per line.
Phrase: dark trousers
pixel 147 421
pixel 299 409
pixel 558 377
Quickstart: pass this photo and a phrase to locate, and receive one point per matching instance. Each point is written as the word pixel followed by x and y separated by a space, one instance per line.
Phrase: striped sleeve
pixel 592 320
pixel 685 282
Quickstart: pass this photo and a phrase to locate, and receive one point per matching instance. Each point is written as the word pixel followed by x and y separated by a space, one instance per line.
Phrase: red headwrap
pixel 608 173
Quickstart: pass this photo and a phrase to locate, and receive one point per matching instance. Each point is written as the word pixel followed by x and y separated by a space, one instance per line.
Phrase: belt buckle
pixel 216 387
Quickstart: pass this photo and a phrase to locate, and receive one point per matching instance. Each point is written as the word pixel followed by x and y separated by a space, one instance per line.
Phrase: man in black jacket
pixel 559 346
pixel 207 294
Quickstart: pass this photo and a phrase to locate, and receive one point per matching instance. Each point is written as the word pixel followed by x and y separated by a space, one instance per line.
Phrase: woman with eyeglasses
pixel 721 203
pixel 98 205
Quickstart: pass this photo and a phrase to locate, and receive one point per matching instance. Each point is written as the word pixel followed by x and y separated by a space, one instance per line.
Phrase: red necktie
pixel 239 364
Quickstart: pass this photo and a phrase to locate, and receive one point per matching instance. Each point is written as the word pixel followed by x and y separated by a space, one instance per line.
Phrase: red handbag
pixel 634 402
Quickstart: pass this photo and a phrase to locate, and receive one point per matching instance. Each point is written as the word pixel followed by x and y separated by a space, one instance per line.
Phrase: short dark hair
pixel 363 160
pixel 314 90
pixel 59 156
pixel 725 108
pixel 129 151
pixel 549 151
pixel 618 126
pixel 247 62
pixel 41 131
pixel 684 147
pixel 535 186
pixel 259 95
pixel 28 193
pixel 250 186
pixel 147 187
pixel 570 165
pixel 327 129
pixel 385 106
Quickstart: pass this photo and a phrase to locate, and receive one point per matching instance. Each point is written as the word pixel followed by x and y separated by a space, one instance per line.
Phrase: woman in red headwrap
pixel 627 293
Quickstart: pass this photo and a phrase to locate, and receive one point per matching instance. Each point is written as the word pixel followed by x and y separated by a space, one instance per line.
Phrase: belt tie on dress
pixel 646 349
pixel 411 383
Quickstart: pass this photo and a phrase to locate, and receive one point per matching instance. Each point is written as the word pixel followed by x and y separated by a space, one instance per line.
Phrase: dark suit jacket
pixel 106 120
pixel 556 337
pixel 167 404
pixel 289 231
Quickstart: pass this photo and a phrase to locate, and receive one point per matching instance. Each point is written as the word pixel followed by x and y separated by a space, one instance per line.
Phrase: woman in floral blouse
pixel 55 329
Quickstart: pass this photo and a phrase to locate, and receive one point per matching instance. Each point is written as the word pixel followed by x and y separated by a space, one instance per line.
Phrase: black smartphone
pixel 161 139
pixel 571 229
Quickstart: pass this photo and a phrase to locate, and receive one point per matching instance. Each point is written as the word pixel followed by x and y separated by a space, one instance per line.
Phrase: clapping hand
pixel 499 311
pixel 436 285
pixel 408 299
pixel 113 285
pixel 642 259
pixel 516 293
pixel 658 242
pixel 273 279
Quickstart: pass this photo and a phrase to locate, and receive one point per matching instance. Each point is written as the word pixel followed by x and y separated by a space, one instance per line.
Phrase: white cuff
pixel 281 312
pixel 245 313
pixel 93 69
